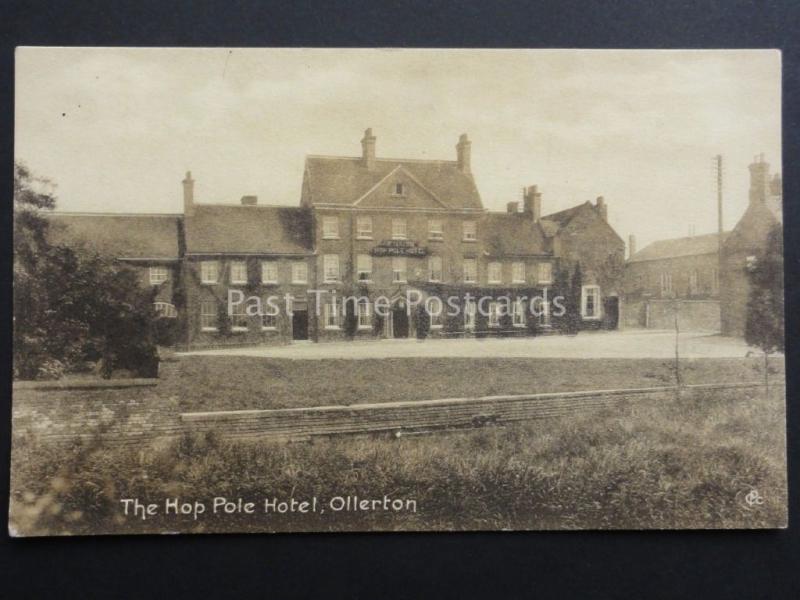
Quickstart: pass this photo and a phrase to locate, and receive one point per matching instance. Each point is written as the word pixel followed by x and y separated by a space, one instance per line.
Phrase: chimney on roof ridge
pixel 532 203
pixel 776 185
pixel 188 194
pixel 512 207
pixel 600 205
pixel 631 245
pixel 368 149
pixel 463 154
pixel 249 200
pixel 759 179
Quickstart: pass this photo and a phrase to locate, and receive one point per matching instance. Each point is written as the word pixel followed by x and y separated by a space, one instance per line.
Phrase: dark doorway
pixel 300 325
pixel 400 322
pixel 611 312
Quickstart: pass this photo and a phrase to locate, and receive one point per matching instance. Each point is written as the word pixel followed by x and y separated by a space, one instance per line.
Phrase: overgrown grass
pixel 681 464
pixel 236 383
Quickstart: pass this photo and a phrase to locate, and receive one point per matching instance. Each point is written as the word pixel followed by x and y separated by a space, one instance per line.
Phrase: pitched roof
pixel 563 217
pixel 234 229
pixel 118 235
pixel 342 180
pixel 677 247
pixel 511 234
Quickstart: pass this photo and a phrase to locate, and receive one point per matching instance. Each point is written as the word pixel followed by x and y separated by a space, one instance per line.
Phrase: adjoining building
pixel 675 274
pixel 746 244
pixel 369 227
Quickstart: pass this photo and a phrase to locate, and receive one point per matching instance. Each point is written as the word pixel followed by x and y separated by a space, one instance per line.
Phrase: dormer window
pixel 398 190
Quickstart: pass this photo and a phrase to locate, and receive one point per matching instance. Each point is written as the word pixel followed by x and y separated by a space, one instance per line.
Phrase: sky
pixel 117 128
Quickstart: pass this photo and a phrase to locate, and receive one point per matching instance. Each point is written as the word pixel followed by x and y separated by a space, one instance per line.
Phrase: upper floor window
pixel 398 189
pixel 751 262
pixel 590 302
pixel 434 268
pixel 238 271
pixel 299 272
pixel 470 231
pixel 158 274
pixel 364 228
pixel 269 271
pixel 399 269
pixel 435 229
pixel 495 272
pixel 470 270
pixel 666 284
pixel 330 268
pixel 399 229
pixel 209 271
pixel 518 272
pixel 545 274
pixel 364 267
pixel 330 228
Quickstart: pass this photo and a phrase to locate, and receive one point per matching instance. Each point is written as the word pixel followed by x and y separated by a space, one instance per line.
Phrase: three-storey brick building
pixel 382 230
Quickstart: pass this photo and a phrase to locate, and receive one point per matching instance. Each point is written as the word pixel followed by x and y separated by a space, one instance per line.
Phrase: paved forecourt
pixel 611 344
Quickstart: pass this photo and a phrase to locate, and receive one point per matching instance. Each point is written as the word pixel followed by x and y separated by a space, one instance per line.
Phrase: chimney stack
pixel 631 245
pixel 601 207
pixel 776 185
pixel 368 149
pixel 188 195
pixel 249 200
pixel 532 204
pixel 512 207
pixel 463 153
pixel 759 179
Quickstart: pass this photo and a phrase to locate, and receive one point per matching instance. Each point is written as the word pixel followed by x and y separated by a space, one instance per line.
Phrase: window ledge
pixel 269 329
pixel 363 327
pixel 436 326
pixel 332 327
pixel 300 283
pixel 209 282
pixel 239 328
pixel 364 237
pixel 399 281
pixel 238 282
pixel 470 241
pixel 330 237
pixel 209 329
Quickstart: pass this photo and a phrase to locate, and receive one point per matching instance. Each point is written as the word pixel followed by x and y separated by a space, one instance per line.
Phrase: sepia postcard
pixel 292 290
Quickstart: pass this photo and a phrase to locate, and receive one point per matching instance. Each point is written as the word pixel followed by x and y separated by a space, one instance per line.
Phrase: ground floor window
pixel 239 318
pixel 590 302
pixel 331 314
pixel 541 311
pixel 518 314
pixel 269 322
pixel 165 309
pixel 158 274
pixel 437 318
pixel 494 314
pixel 208 315
pixel 666 284
pixel 364 314
pixel 470 310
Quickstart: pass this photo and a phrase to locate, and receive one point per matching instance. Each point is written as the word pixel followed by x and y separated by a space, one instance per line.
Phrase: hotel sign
pixel 399 248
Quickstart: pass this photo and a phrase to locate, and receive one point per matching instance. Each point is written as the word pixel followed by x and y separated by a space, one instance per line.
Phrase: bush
pixel 422 322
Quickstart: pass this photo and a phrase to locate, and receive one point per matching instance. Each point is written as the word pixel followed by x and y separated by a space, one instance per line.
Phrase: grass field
pixel 234 383
pixel 650 465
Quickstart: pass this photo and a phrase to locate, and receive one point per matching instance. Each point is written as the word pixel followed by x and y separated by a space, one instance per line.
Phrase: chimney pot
pixel 188 194
pixel 249 200
pixel 600 205
pixel 368 149
pixel 533 203
pixel 463 153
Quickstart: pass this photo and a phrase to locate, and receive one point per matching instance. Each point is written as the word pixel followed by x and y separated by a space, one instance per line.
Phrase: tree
pixel 764 326
pixel 71 305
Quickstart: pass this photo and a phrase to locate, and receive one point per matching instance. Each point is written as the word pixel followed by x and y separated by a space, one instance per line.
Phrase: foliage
pixel 72 305
pixel 223 319
pixel 350 319
pixel 422 322
pixel 764 327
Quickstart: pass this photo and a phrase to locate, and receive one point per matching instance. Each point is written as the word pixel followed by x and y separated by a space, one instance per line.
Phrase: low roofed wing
pixel 511 235
pixel 333 180
pixel 221 229
pixel 677 247
pixel 118 236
